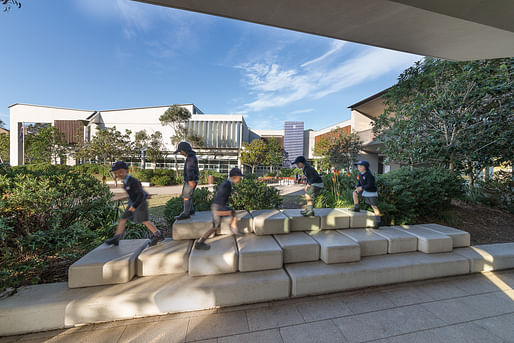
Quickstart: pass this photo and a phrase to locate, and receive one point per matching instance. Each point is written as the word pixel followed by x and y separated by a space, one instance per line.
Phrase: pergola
pixel 450 29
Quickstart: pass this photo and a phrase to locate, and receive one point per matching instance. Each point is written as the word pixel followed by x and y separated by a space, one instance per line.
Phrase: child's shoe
pixel 202 246
pixel 182 216
pixel 308 212
pixel 159 237
pixel 235 231
pixel 377 222
pixel 356 208
pixel 113 241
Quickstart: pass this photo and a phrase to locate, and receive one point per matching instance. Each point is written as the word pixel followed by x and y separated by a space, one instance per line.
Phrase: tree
pixel 8 4
pixel 321 149
pixel 274 154
pixel 4 148
pixel 108 145
pixel 155 149
pixel 338 149
pixel 46 145
pixel 176 117
pixel 452 114
pixel 254 153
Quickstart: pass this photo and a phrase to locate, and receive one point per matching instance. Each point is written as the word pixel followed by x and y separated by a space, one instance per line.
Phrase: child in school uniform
pixel 313 187
pixel 368 188
pixel 220 208
pixel 137 208
pixel 191 177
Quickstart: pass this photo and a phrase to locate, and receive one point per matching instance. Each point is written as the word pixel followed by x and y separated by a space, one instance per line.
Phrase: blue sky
pixel 108 54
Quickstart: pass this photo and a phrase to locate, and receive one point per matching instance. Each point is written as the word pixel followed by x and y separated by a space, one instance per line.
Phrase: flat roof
pixel 369 98
pixel 119 109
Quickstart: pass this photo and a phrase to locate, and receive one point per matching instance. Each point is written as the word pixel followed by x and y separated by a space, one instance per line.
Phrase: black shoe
pixel 192 212
pixel 113 241
pixel 202 246
pixel 156 239
pixel 356 209
pixel 182 216
pixel 378 221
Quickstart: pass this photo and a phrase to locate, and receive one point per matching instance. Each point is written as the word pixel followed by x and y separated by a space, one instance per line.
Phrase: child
pixel 191 177
pixel 367 186
pixel 137 209
pixel 314 184
pixel 220 209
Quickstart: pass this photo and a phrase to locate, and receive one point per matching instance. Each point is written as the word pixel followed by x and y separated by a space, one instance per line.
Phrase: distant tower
pixel 293 141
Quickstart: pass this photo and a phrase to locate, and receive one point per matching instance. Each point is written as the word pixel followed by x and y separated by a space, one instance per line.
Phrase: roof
pixel 369 98
pixel 119 109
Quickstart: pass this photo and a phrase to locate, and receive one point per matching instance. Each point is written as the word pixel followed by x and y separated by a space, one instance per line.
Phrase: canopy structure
pixel 455 30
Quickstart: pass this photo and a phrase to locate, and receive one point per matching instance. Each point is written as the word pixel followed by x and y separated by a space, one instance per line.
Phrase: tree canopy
pixel 44 143
pixel 254 153
pixel 108 145
pixel 7 5
pixel 338 149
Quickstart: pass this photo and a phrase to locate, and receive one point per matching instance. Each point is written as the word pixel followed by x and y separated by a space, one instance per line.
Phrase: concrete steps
pixel 168 257
pixel 429 241
pixel 270 222
pixel 370 242
pixel 298 247
pixel 221 258
pixel 336 248
pixel 460 238
pixel 258 253
pixel 297 222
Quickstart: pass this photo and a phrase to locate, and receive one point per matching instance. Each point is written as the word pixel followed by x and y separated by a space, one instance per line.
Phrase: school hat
pixel 235 172
pixel 184 146
pixel 300 159
pixel 362 163
pixel 119 165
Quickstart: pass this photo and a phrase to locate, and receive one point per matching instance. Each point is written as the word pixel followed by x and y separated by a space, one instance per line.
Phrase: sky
pixel 109 54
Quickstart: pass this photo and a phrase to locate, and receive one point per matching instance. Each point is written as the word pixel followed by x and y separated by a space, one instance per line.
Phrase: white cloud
pixel 274 85
pixel 336 46
pixel 307 110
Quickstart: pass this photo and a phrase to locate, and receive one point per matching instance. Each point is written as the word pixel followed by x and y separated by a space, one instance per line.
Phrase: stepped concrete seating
pixel 488 257
pixel 360 219
pixel 336 248
pixel 333 218
pixel 398 241
pixel 318 278
pixel 244 223
pixel 370 242
pixel 106 264
pixel 460 238
pixel 258 253
pixel 298 247
pixel 298 222
pixel 55 306
pixel 194 227
pixel 429 241
pixel 269 222
pixel 221 258
pixel 168 257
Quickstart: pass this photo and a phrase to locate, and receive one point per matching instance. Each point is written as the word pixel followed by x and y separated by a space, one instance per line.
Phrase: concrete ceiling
pixel 450 29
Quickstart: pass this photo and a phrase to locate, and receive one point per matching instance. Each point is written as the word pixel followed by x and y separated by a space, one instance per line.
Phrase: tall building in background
pixel 293 141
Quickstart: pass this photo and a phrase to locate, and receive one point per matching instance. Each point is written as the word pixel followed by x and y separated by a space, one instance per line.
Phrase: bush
pixel 204 177
pixel 250 194
pixel 289 172
pixel 143 175
pixel 497 192
pixel 93 168
pixel 202 199
pixel 162 180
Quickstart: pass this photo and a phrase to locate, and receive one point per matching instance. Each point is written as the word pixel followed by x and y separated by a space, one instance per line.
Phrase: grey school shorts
pixel 187 191
pixel 313 192
pixel 139 215
pixel 216 218
pixel 372 201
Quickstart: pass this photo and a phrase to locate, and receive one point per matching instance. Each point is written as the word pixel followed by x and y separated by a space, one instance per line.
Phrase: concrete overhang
pixel 449 29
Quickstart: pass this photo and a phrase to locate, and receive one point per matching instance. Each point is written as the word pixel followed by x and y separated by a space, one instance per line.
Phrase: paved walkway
pixel 472 308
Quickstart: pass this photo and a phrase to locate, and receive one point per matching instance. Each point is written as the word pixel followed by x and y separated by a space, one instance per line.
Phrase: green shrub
pixel 93 168
pixel 202 199
pixel 143 175
pixel 289 172
pixel 162 180
pixel 250 194
pixel 204 177
pixel 497 192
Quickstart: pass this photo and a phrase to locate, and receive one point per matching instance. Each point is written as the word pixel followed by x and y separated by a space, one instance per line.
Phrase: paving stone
pixel 258 253
pixel 398 241
pixel 318 277
pixel 269 222
pixel 168 331
pixel 244 223
pixel 429 241
pixel 194 227
pixel 298 222
pixel 336 248
pixel 500 326
pixel 323 331
pixel 367 301
pixel 489 257
pixel 403 296
pixel 167 257
pixel 269 336
pixel 360 219
pixel 100 336
pixel 215 325
pixel 106 264
pixel 273 317
pixel 333 218
pixel 460 238
pixel 370 242
pixel 320 309
pixel 221 258
pixel 298 247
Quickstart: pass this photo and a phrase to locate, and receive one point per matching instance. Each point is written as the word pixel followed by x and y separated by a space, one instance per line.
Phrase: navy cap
pixel 119 165
pixel 184 146
pixel 362 163
pixel 300 159
pixel 235 172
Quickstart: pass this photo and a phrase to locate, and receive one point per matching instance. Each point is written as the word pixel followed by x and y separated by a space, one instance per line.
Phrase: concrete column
pixel 16 137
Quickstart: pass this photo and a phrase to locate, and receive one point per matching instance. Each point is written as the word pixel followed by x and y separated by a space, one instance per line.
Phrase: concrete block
pixel 194 227
pixel 360 219
pixel 244 223
pixel 258 253
pixel 298 247
pixel 54 306
pixel 269 222
pixel 221 258
pixel 336 248
pixel 371 244
pixel 398 241
pixel 168 257
pixel 333 218
pixel 429 241
pixel 297 222
pixel 460 238
pixel 318 278
pixel 489 257
pixel 106 264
